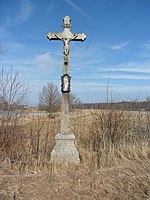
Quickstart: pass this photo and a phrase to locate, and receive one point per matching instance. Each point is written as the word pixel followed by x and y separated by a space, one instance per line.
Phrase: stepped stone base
pixel 64 150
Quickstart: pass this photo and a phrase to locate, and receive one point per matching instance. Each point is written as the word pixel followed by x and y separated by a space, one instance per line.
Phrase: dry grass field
pixel 114 148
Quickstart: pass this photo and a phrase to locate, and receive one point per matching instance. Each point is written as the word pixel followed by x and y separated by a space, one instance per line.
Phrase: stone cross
pixel 64 150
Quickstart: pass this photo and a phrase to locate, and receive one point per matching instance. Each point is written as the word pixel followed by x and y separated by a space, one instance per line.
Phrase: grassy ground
pixel 114 148
pixel 129 180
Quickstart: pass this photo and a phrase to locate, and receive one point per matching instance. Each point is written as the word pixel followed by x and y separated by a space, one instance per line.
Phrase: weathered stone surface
pixel 65 118
pixel 65 150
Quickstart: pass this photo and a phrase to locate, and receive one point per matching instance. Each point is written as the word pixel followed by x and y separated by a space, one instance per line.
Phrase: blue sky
pixel 117 48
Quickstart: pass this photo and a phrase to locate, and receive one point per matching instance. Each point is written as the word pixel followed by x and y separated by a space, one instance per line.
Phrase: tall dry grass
pixel 104 138
pixel 109 137
pixel 114 153
pixel 29 148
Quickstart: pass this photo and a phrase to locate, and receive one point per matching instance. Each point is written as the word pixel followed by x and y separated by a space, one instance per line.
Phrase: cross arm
pixel 79 37
pixel 54 36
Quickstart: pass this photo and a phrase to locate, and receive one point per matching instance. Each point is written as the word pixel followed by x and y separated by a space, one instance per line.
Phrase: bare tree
pixel 13 92
pixel 13 97
pixel 75 101
pixel 13 89
pixel 49 98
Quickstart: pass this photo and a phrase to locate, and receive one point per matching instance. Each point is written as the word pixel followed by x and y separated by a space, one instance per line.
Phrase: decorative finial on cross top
pixel 66 23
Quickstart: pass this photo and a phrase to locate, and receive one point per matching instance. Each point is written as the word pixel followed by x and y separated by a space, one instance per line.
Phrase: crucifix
pixel 64 150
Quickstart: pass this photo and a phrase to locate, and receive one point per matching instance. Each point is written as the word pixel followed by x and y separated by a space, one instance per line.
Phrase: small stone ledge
pixel 69 136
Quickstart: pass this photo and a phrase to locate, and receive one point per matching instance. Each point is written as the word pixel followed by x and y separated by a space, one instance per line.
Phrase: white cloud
pixel 23 15
pixel 50 7
pixel 4 34
pixel 77 8
pixel 89 85
pixel 11 46
pixel 14 46
pixel 147 45
pixel 93 53
pixel 119 46
pixel 132 70
pixel 139 67
pixel 43 61
pixel 47 62
pixel 126 76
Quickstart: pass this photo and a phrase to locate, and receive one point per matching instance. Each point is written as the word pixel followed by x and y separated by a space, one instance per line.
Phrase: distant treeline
pixel 134 106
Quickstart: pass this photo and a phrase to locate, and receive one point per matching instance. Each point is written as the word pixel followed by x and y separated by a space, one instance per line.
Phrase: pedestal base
pixel 65 151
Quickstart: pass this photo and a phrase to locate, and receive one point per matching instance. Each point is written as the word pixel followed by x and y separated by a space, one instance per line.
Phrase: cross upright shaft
pixel 66 36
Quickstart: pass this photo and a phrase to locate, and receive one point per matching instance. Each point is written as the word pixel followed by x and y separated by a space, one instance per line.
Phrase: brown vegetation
pixel 114 151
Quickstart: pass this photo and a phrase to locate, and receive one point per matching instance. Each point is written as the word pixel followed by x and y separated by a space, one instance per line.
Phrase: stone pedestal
pixel 64 150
